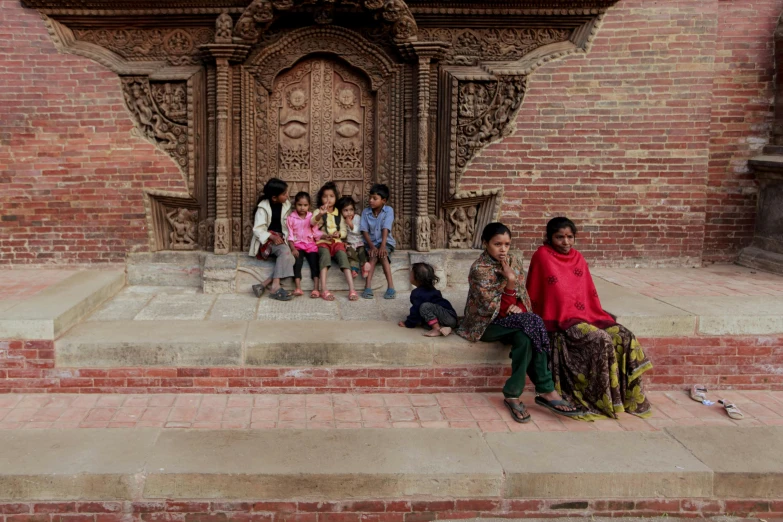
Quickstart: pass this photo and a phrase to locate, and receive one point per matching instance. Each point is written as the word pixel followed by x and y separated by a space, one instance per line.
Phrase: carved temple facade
pixel 351 91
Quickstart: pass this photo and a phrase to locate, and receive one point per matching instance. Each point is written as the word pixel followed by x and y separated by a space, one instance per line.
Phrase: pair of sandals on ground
pixel 698 393
pixel 520 414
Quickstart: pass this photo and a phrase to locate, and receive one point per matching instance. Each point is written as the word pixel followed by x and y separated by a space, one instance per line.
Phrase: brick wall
pixel 71 172
pixel 643 141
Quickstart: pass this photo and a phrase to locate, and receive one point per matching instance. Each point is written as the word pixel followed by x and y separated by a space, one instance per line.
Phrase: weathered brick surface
pixel 385 510
pixel 742 362
pixel 643 141
pixel 72 173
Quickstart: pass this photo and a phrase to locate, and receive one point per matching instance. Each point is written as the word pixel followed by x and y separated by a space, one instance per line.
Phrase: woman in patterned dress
pixel 596 363
pixel 498 309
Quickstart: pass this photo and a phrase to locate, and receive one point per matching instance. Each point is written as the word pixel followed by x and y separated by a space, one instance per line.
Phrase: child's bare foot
pixel 435 332
pixel 445 331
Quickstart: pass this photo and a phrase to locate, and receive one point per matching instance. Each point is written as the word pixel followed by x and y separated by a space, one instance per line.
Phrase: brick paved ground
pixel 716 280
pixel 324 411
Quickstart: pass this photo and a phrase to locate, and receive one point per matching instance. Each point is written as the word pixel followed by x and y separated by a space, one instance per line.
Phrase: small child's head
pixel 328 195
pixel 423 276
pixel 302 203
pixel 379 193
pixel 347 207
pixel 276 191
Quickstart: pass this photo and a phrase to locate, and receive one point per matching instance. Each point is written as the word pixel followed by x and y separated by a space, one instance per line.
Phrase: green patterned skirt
pixel 601 370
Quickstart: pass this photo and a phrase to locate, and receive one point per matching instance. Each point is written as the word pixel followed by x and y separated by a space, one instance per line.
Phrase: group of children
pixel 330 232
pixel 293 233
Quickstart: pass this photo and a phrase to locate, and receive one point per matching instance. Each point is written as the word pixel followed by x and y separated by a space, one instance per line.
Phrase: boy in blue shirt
pixel 376 227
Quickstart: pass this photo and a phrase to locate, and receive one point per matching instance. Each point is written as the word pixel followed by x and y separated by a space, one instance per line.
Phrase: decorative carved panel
pixel 178 46
pixel 321 115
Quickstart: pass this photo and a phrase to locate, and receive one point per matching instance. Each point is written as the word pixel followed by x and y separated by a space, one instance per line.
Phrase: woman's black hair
pixel 424 275
pixel 302 195
pixel 273 187
pixel 328 186
pixel 494 229
pixel 556 224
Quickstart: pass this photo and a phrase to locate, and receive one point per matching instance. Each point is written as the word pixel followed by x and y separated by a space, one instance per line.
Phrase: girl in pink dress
pixel 302 236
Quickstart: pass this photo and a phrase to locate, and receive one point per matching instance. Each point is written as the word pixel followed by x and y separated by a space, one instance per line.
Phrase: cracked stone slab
pixel 234 307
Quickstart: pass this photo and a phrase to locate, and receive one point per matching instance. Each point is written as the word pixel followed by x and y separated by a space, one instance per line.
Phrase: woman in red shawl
pixel 596 362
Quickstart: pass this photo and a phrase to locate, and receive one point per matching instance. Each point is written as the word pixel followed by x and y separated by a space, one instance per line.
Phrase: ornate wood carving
pixel 260 14
pixel 406 94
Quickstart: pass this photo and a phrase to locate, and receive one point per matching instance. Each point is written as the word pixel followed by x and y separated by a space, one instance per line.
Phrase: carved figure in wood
pixel 183 229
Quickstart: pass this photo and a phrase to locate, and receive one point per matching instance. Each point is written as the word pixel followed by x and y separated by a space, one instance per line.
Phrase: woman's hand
pixel 508 272
pixel 514 309
pixel 277 240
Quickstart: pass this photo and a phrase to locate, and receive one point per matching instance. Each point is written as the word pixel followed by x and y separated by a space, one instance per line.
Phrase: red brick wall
pixel 643 141
pixel 71 173
pixel 741 117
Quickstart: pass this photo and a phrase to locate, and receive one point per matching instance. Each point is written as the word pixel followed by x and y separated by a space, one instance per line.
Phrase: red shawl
pixel 562 291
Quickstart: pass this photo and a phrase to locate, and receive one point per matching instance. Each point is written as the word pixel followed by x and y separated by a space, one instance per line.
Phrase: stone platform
pixel 721 326
pixel 399 475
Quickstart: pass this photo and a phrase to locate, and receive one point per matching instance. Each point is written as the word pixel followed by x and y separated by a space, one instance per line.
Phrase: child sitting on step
pixel 302 236
pixel 330 245
pixel 429 307
pixel 354 242
pixel 376 225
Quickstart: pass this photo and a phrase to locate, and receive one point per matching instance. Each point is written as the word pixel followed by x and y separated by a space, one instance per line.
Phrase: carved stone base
pixel 423 227
pixel 222 235
pixel 753 257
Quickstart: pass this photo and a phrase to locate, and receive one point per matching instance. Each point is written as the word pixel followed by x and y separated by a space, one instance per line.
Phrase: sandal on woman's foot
pixel 366 270
pixel 391 293
pixel 353 296
pixel 327 296
pixel 552 406
pixel 298 293
pixel 258 290
pixel 731 410
pixel 518 411
pixel 367 294
pixel 280 295
pixel 699 392
pixel 315 294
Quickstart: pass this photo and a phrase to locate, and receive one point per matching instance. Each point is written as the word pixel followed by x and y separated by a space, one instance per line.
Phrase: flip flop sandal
pixel 258 290
pixel 550 405
pixel 353 296
pixel 731 410
pixel 315 294
pixel 280 295
pixel 518 412
pixel 298 293
pixel 327 296
pixel 391 293
pixel 367 294
pixel 699 392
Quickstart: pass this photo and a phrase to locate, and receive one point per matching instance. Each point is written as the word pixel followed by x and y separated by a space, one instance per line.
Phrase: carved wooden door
pixel 322 124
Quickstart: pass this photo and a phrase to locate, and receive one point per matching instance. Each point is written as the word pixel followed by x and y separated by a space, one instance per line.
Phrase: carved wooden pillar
pixel 223 53
pixel 425 53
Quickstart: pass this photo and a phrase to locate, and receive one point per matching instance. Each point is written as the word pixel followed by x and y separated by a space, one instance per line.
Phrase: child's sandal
pixel 367 294
pixel 731 410
pixel 699 392
pixel 298 293
pixel 315 294
pixel 391 293
pixel 327 296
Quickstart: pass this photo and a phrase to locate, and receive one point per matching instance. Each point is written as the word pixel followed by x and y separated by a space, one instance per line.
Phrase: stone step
pixel 52 311
pixel 325 465
pixel 112 344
